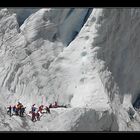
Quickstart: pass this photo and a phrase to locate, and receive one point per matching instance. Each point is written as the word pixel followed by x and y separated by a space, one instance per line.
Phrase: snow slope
pixel 84 58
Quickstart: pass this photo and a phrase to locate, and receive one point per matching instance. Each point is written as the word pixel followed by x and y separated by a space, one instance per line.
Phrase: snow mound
pixel 81 119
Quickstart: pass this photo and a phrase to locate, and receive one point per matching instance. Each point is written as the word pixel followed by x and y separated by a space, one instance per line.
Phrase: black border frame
pixel 64 4
pixel 70 3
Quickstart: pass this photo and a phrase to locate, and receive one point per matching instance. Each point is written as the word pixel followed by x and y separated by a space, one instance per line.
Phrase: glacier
pixel 86 58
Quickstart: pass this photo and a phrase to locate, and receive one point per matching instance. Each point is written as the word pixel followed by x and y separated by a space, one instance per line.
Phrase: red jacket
pixel 40 108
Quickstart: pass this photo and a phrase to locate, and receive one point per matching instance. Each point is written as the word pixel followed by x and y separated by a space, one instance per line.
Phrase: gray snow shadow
pixel 23 14
pixel 115 41
pixel 25 123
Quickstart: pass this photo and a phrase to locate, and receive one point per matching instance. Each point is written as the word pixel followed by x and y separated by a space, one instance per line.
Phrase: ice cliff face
pixel 86 58
pixel 22 13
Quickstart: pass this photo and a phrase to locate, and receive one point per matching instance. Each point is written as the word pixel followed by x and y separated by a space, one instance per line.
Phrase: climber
pixel 22 111
pixel 9 111
pixel 37 115
pixel 33 109
pixel 14 109
pixel 55 104
pixel 33 116
pixel 50 106
pixel 47 110
pixel 40 109
pixel 18 107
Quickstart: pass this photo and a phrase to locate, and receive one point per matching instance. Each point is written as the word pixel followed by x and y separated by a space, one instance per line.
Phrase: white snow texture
pixel 82 57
